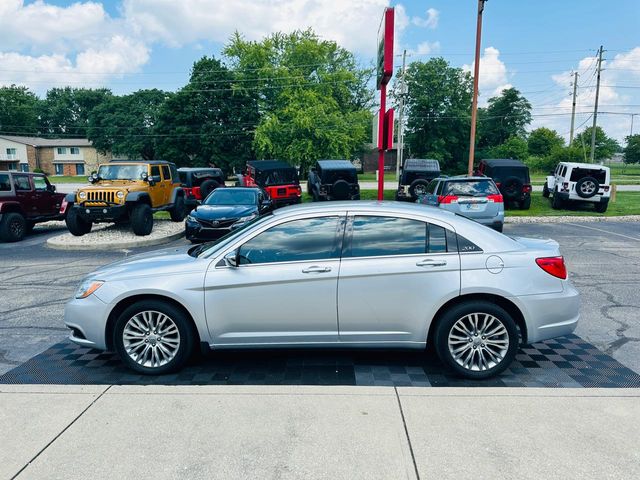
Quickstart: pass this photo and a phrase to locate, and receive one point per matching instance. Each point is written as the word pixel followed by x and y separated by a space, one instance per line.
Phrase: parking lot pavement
pixel 228 432
pixel 603 259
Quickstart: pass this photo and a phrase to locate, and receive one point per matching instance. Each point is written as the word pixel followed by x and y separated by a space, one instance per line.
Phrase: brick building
pixel 57 156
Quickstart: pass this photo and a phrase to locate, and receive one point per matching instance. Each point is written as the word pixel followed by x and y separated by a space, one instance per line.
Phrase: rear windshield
pixel 599 175
pixel 471 188
pixel 183 177
pixel 500 174
pixel 277 177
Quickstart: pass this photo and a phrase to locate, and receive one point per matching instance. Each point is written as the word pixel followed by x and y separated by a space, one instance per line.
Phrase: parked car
pixel 511 177
pixel 127 191
pixel 279 179
pixel 339 274
pixel 26 199
pixel 225 209
pixel 477 198
pixel 197 183
pixel 416 175
pixel 579 182
pixel 333 180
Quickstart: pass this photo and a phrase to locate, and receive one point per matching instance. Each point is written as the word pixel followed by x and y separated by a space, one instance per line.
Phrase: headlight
pixel 243 220
pixel 87 287
pixel 120 195
pixel 192 219
pixel 82 195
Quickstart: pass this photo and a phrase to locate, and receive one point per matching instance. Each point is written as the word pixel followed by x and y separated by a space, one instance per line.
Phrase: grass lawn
pixel 67 179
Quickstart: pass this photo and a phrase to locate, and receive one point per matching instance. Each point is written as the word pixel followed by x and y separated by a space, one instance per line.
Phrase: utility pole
pixel 476 75
pixel 595 108
pixel 403 91
pixel 573 106
pixel 632 115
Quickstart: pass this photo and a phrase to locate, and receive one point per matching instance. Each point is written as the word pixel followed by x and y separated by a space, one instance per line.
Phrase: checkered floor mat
pixel 562 362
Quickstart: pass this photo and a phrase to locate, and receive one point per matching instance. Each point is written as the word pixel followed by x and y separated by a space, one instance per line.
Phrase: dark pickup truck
pixel 26 199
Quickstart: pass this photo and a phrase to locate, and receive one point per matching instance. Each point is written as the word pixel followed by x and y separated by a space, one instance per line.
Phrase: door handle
pixel 316 269
pixel 431 263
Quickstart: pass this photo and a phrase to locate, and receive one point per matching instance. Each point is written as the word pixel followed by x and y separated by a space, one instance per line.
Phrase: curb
pixel 571 219
pixel 55 243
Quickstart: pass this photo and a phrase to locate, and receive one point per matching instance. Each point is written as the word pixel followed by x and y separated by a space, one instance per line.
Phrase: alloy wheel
pixel 478 342
pixel 16 228
pixel 588 188
pixel 151 339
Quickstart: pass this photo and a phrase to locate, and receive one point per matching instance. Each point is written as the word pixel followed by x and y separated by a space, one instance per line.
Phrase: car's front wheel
pixel 141 219
pixel 476 339
pixel 153 337
pixel 12 227
pixel 76 224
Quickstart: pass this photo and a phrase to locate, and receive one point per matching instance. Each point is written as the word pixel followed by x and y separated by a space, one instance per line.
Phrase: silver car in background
pixel 477 198
pixel 338 274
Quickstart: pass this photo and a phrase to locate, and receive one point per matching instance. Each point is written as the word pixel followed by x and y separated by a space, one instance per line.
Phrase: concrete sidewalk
pixel 163 432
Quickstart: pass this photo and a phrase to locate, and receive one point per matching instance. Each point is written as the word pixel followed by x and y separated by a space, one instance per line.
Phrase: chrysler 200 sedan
pixel 356 274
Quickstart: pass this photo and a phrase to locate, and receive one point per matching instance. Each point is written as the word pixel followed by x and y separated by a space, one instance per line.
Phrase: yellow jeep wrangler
pixel 126 191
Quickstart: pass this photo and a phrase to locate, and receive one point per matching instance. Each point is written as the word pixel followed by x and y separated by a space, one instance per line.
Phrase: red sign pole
pixel 385 71
pixel 381 140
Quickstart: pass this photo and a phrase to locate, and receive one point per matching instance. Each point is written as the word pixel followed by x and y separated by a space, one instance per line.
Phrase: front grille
pixel 101 196
pixel 217 223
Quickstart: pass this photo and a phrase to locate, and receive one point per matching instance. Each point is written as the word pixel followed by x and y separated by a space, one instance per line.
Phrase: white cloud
pixel 431 21
pixel 493 75
pixel 425 48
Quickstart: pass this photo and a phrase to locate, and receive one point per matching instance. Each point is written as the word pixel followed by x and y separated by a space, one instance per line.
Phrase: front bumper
pixel 106 213
pixel 550 315
pixel 87 320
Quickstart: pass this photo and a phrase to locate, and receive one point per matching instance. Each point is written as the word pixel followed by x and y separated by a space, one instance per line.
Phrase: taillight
pixel 606 189
pixel 63 206
pixel 495 198
pixel 447 199
pixel 553 266
pixel 526 188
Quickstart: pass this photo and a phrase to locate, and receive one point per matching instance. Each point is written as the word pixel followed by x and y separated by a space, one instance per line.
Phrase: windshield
pixel 206 250
pixel 231 197
pixel 121 172
pixel 471 188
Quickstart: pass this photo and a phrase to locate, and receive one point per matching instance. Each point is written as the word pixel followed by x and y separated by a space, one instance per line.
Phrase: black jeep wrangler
pixel 511 177
pixel 414 178
pixel 333 180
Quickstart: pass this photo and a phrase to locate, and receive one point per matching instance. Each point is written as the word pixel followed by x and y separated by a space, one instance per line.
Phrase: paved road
pixel 604 260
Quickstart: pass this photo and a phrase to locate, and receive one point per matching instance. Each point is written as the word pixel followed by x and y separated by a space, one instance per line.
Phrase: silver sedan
pixel 339 274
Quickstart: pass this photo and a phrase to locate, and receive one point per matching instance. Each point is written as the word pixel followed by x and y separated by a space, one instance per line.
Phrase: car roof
pixel 421 164
pixel 133 162
pixel 584 165
pixel 336 165
pixel 269 164
pixel 503 162
pixel 198 169
pixel 464 177
pixel 252 189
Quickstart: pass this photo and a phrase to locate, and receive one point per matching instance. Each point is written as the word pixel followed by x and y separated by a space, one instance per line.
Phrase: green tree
pixel 506 115
pixel 605 145
pixel 513 147
pixel 632 150
pixel 209 121
pixel 567 154
pixel 19 109
pixel 542 141
pixel 125 125
pixel 299 71
pixel 438 108
pixel 65 111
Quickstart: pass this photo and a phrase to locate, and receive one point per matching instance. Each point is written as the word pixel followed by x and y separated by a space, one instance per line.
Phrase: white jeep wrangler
pixel 579 182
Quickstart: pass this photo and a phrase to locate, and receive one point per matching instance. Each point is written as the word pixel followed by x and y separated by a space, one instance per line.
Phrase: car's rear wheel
pixel 525 204
pixel 418 188
pixel 13 227
pixel 587 187
pixel 207 187
pixel 340 190
pixel 153 337
pixel 141 219
pixel 476 339
pixel 545 190
pixel 601 207
pixel 77 225
pixel 556 202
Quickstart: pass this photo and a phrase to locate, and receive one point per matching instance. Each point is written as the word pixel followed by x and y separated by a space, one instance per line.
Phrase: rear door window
pixel 22 183
pixel 5 183
pixel 166 174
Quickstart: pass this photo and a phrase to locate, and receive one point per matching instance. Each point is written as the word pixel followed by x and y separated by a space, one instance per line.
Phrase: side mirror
pixel 231 259
pixel 265 204
pixel 51 188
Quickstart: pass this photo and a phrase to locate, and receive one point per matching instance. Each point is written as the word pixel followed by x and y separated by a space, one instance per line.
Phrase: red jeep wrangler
pixel 279 179
pixel 26 199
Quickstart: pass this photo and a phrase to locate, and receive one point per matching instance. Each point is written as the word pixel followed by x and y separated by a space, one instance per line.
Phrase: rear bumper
pixel 281 202
pixel 550 315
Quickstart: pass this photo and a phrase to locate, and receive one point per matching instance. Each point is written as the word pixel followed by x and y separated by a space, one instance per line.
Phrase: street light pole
pixel 476 74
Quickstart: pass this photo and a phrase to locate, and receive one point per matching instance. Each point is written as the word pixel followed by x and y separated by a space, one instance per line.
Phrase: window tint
pixel 5 183
pixel 155 171
pixel 298 240
pixel 39 183
pixel 165 172
pixel 174 174
pixel 465 245
pixel 439 188
pixel 437 239
pixel 22 183
pixel 471 188
pixel 377 236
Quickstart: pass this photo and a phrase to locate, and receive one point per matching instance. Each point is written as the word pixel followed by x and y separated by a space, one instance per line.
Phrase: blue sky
pixel 531 45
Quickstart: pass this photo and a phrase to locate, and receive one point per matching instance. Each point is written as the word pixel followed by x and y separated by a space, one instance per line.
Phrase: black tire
pixel 186 336
pixel 13 227
pixel 207 187
pixel 511 188
pixel 587 187
pixel 418 187
pixel 498 228
pixel 178 212
pixel 601 207
pixel 446 324
pixel 340 190
pixel 556 202
pixel 77 225
pixel 545 190
pixel 525 204
pixel 141 219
